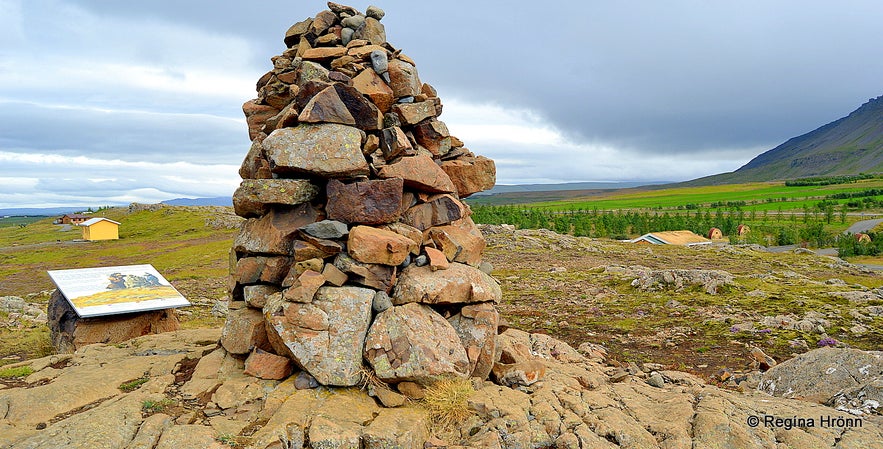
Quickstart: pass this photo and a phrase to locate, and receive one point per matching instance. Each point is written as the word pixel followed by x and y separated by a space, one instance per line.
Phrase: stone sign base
pixel 69 332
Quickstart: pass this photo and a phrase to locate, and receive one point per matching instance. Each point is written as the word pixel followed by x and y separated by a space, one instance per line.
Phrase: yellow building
pixel 100 228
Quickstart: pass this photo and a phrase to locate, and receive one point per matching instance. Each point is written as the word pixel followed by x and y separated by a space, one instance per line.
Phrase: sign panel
pixel 112 290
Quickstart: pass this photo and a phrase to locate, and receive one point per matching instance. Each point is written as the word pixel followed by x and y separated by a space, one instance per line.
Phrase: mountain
pixel 598 185
pixel 848 146
pixel 214 201
pixel 40 211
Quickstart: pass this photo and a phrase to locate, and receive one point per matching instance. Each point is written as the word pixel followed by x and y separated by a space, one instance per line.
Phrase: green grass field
pixel 769 196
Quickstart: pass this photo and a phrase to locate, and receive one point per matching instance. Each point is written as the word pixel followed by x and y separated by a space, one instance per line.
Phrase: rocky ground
pixel 182 390
pixel 703 310
pixel 673 344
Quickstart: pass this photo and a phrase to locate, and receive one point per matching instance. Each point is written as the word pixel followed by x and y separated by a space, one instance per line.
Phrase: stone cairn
pixel 357 254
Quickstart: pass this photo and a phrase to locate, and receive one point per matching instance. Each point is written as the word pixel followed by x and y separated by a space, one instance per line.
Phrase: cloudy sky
pixel 109 102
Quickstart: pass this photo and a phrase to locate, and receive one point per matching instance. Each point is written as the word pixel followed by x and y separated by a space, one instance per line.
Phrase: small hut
pixel 862 238
pixel 742 229
pixel 715 234
pixel 100 228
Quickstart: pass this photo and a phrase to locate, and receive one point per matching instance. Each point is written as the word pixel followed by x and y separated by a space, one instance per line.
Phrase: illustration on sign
pixel 112 290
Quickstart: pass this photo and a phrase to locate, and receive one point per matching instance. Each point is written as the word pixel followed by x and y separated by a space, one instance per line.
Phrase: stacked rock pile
pixel 357 253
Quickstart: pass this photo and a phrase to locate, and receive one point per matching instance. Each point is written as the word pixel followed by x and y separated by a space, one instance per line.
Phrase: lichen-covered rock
pixel 328 149
pixel 326 336
pixel 458 284
pixel 414 343
pixel 254 195
pixel 476 324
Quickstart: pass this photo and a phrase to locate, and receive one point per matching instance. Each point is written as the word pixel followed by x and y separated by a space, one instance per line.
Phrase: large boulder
pixel 329 150
pixel 414 343
pixel 325 337
pixel 849 379
pixel 458 284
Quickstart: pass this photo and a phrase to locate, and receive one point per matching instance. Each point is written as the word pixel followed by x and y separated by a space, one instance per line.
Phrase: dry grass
pixel 447 402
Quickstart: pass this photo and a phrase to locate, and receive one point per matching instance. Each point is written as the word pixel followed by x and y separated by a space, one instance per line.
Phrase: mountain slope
pixel 850 145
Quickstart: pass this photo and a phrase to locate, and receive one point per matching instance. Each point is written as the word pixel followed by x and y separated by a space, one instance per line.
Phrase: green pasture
pixel 770 196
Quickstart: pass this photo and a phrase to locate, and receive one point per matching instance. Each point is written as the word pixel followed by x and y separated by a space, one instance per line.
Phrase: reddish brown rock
pixel 458 284
pixel 379 277
pixel 367 202
pixel 266 365
pixel 244 331
pixel 403 79
pixel 378 246
pixel 256 115
pixel 274 233
pixel 365 114
pixel 68 332
pixel 304 287
pixel 439 210
pixel 333 275
pixel 275 269
pixel 326 337
pixel 433 135
pixel 308 91
pixel 253 196
pixel 322 22
pixel 329 150
pixel 437 259
pixel 406 231
pixel 414 113
pixel 369 83
pixel 278 95
pixel 256 295
pixel 305 251
pixel 519 374
pixel 292 36
pixel 395 143
pixel 372 31
pixel 324 53
pixel 247 270
pixel 476 324
pixel 255 165
pixel 326 107
pixel 419 172
pixel 471 174
pixel 414 343
pixel 461 241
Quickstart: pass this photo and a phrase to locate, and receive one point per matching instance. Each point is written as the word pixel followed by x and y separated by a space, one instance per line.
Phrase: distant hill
pixel 40 211
pixel 215 201
pixel 848 146
pixel 613 185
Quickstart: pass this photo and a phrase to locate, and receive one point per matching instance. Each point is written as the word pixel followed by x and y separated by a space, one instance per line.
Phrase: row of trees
pixel 621 224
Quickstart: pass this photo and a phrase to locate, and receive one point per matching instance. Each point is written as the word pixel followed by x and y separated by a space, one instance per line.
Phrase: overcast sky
pixel 109 102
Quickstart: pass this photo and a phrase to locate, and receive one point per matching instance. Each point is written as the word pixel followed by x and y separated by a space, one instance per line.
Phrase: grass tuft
pixel 150 406
pixel 132 385
pixel 447 402
pixel 11 373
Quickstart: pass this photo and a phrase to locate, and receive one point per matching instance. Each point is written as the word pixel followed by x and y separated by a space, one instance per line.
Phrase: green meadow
pixel 770 196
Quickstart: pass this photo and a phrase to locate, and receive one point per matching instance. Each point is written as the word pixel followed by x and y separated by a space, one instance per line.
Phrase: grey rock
pixel 422 260
pixel 328 149
pixel 381 302
pixel 379 61
pixel 325 337
pixel 353 22
pixel 304 381
pixel 822 374
pixel 375 12
pixel 326 229
pixel 346 35
pixel 656 380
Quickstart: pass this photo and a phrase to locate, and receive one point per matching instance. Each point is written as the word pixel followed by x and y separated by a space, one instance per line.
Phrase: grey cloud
pixel 124 135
